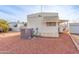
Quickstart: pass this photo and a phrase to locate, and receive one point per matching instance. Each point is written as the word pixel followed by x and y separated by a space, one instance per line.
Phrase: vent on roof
pixel 39 16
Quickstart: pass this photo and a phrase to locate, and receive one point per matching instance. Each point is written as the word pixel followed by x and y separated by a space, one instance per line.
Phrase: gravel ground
pixel 13 44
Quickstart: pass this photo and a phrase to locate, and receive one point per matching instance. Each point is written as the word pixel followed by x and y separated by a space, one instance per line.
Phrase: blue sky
pixel 20 12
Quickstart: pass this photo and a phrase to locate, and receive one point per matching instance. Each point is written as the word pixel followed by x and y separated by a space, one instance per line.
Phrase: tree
pixel 4 25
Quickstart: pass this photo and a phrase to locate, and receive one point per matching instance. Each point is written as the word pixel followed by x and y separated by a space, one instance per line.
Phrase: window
pixel 51 23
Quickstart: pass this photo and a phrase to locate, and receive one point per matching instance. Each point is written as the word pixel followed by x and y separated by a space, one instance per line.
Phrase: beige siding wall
pixel 49 31
pixel 46 31
pixel 34 22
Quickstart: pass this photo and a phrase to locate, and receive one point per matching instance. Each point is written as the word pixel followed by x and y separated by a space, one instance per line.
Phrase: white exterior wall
pixel 43 30
pixel 15 29
pixel 49 31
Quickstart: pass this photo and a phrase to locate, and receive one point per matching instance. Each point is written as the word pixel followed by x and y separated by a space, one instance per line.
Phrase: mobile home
pixel 45 24
pixel 16 26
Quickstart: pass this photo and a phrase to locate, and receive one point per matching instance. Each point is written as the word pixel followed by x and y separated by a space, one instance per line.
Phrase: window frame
pixel 51 23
